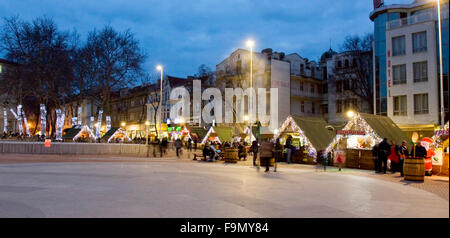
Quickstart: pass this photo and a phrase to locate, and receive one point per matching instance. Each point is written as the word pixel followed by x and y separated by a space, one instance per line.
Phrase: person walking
pixel 403 151
pixel 266 155
pixel 254 148
pixel 394 157
pixel 383 153
pixel 278 153
pixel 324 155
pixel 288 146
pixel 164 145
pixel 178 145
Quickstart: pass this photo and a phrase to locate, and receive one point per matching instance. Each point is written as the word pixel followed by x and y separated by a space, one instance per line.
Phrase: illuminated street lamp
pixel 350 114
pixel 123 124
pixel 250 44
pixel 440 64
pixel 160 68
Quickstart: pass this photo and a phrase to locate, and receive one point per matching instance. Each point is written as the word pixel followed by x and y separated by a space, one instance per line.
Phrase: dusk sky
pixel 183 34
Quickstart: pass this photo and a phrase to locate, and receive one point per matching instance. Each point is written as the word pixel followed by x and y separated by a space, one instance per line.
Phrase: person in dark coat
pixel 278 153
pixel 288 146
pixel 241 152
pixel 383 153
pixel 403 151
pixel 421 152
pixel 254 148
pixel 178 145
pixel 376 159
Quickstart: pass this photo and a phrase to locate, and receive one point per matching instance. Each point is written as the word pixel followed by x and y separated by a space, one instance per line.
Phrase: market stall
pixel 309 136
pixel 354 142
pixel 195 132
pixel 79 134
pixel 116 135
pixel 219 134
pixel 440 163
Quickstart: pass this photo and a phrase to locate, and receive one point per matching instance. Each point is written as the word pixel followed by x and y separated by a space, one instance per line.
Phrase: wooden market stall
pixel 354 143
pixel 220 134
pixel 440 151
pixel 309 136
pixel 116 135
pixel 79 134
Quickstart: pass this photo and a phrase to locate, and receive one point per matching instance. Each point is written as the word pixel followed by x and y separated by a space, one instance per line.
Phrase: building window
pixel 420 71
pixel 339 64
pixel 302 69
pixel 0 68
pixel 312 88
pixel 355 63
pixel 346 64
pixel 398 46
pixel 313 108
pixel 346 85
pixel 301 86
pixel 400 106
pixel 338 106
pixel 399 73
pixel 421 103
pixel 339 86
pixel 302 107
pixel 419 42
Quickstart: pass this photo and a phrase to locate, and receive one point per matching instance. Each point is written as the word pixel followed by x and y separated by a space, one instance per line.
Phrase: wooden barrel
pixel 231 155
pixel 262 162
pixel 414 169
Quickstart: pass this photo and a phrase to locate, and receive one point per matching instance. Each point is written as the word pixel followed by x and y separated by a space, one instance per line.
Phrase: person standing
pixel 383 153
pixel 403 151
pixel 421 152
pixel 376 158
pixel 178 145
pixel 254 148
pixel 241 152
pixel 189 144
pixel 266 155
pixel 288 146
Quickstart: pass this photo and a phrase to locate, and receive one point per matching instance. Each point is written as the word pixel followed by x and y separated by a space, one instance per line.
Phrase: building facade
pixel 406 69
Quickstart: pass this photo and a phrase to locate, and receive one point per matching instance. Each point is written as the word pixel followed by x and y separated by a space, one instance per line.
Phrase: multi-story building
pixel 129 109
pixel 308 88
pixel 270 70
pixel 406 69
pixel 349 83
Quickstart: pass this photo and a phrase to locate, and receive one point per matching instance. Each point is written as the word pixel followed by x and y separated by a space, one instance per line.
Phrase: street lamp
pixel 440 64
pixel 250 44
pixel 350 114
pixel 160 68
pixel 123 124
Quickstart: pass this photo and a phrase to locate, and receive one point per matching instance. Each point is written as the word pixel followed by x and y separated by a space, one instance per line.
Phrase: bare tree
pixel 355 73
pixel 111 60
pixel 44 56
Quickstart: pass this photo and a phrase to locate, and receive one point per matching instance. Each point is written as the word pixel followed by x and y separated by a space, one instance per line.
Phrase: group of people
pixel 385 151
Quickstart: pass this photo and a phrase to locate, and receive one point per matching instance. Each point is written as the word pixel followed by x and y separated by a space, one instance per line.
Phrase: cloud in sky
pixel 183 34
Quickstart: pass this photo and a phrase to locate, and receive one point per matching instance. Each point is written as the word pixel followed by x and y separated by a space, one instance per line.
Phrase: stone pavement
pixel 438 185
pixel 171 188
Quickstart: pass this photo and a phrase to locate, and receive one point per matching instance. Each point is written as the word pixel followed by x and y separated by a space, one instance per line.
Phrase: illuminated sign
pixel 350 132
pixel 441 133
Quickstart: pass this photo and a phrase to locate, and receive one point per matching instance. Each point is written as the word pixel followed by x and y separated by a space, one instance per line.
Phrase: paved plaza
pixel 170 187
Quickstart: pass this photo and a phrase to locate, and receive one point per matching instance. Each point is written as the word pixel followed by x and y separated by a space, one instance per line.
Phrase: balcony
pixel 419 18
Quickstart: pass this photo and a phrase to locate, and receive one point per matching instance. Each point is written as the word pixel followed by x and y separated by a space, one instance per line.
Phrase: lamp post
pixel 147 123
pixel 160 68
pixel 440 64
pixel 251 44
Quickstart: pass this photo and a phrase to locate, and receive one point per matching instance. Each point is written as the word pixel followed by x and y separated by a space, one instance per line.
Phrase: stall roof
pixel 224 133
pixel 200 131
pixel 316 131
pixel 71 133
pixel 110 133
pixel 385 127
